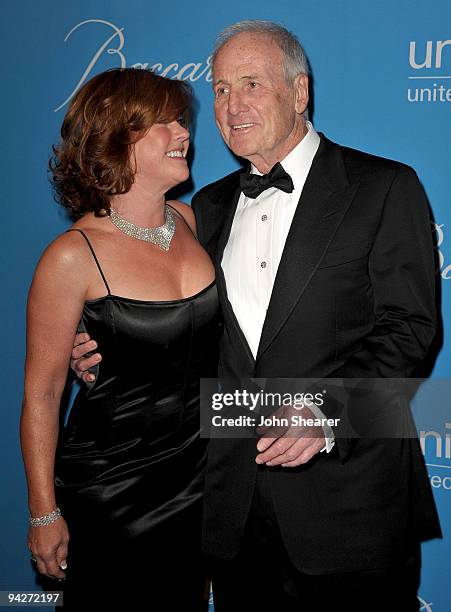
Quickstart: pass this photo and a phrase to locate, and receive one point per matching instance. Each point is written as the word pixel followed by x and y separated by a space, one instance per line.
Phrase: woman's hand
pixel 48 545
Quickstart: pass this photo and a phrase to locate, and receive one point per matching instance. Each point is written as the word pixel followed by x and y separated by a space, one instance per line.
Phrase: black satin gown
pixel 130 464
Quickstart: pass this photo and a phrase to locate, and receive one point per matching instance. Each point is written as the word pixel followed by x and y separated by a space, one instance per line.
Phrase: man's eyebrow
pixel 245 77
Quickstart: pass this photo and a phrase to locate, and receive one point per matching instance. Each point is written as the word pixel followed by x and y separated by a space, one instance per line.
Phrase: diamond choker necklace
pixel 160 236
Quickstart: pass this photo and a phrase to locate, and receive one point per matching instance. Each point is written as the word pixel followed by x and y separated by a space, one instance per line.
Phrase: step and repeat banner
pixel 381 77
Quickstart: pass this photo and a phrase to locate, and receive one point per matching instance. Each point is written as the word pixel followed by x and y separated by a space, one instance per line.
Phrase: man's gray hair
pixel 294 62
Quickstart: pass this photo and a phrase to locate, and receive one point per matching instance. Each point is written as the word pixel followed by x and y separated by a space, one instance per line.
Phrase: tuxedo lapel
pixel 325 198
pixel 230 203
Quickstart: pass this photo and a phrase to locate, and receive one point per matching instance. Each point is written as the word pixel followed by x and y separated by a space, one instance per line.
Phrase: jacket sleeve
pixel 402 274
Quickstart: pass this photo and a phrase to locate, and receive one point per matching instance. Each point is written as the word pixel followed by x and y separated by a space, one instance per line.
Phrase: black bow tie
pixel 252 185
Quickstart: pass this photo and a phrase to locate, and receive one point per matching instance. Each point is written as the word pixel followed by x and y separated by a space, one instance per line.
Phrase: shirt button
pixel 264 217
pixel 263 264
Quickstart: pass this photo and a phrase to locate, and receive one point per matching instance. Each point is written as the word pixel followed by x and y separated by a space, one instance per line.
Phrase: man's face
pixel 257 112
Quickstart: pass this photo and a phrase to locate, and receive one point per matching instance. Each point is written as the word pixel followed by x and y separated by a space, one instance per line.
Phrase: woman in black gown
pixel 126 472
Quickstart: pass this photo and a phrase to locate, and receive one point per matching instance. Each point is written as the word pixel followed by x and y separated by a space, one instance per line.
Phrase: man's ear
pixel 301 93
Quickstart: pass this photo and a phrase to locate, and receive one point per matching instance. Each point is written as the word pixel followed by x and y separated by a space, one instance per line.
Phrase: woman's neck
pixel 142 206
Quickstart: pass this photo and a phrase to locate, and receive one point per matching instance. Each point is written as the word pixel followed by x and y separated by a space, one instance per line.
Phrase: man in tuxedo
pixel 324 264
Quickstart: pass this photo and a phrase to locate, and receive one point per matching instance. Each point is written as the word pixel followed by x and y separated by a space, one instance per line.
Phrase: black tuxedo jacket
pixel 353 297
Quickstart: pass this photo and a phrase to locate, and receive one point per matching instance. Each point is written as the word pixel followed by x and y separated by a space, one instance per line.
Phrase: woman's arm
pixel 55 304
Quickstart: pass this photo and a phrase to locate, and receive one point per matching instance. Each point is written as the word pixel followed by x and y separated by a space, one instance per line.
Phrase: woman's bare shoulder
pixel 186 211
pixel 72 247
pixel 66 255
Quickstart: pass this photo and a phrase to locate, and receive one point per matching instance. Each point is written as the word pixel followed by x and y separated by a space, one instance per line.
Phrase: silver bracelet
pixel 47 519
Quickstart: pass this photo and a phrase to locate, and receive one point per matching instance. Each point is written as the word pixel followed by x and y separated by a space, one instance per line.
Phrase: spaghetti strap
pixel 179 214
pixel 94 255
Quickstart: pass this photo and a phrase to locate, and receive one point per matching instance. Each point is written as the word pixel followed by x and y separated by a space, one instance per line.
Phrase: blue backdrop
pixel 382 83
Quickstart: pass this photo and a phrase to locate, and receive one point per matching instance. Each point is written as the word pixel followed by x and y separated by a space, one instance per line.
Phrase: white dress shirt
pixel 257 239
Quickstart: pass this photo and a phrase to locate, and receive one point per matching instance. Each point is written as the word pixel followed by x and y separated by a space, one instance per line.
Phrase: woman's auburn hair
pixel 106 117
